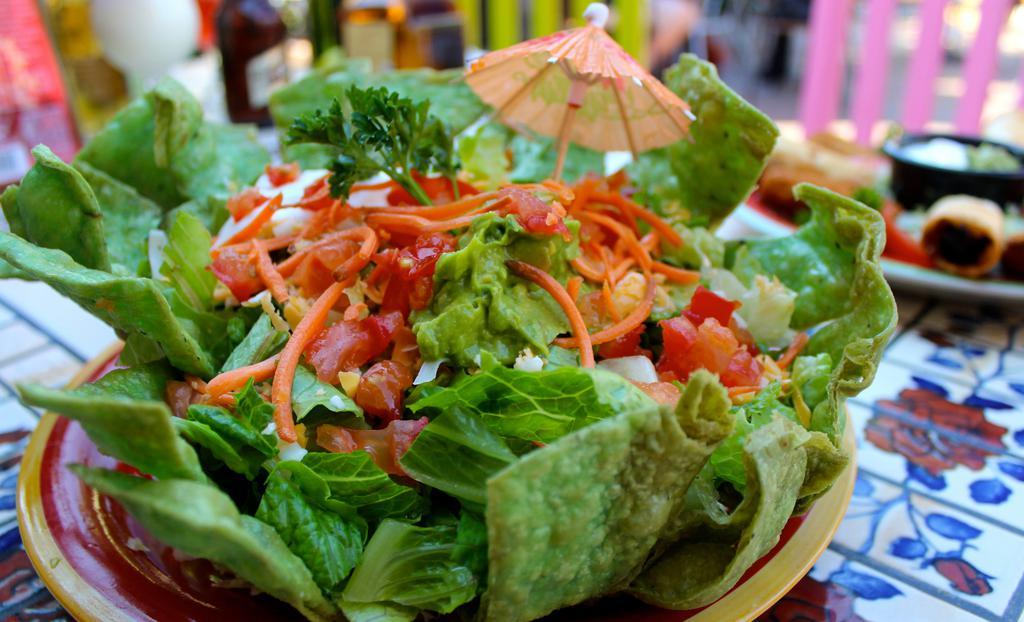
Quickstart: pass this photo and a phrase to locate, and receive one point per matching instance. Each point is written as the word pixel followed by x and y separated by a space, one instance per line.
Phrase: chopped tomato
pixel 282 174
pixel 438 189
pixel 626 345
pixel 316 196
pixel 386 446
pixel 312 276
pixel 705 303
pixel 179 396
pixel 412 271
pixel 535 215
pixel 235 267
pixel 661 392
pixel 898 244
pixel 382 388
pixel 711 346
pixel 244 202
pixel 350 344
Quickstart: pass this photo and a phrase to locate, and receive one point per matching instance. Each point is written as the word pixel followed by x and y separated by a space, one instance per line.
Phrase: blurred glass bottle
pixel 96 88
pixel 324 27
pixel 431 35
pixel 251 37
pixel 369 29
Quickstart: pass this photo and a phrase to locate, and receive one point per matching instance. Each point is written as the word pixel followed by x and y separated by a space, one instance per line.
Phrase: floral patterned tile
pixel 948 468
pixel 18 338
pixel 840 589
pixel 14 416
pixel 52 366
pixel 962 559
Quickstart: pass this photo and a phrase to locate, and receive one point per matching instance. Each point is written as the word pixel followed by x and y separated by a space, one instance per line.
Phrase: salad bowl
pixel 102 567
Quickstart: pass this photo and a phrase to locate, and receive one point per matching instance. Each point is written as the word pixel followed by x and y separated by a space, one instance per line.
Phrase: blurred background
pixel 67 65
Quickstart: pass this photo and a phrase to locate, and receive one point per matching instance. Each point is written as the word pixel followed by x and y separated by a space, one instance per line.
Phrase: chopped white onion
pixel 155 250
pixel 528 361
pixel 231 227
pixel 289 220
pixel 635 368
pixel 428 371
pixel 290 451
pixel 291 192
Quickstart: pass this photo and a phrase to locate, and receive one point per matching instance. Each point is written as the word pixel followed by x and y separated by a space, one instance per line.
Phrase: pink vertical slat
pixel 981 64
pixel 872 68
pixel 1020 84
pixel 919 98
pixel 823 76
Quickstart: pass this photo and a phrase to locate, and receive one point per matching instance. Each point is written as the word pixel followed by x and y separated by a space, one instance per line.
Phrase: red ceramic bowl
pixel 103 567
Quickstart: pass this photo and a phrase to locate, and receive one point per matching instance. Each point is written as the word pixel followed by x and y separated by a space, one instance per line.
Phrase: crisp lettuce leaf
pixel 705 563
pixel 727 462
pixel 356 480
pixel 832 263
pixel 533 160
pixel 484 157
pixel 310 394
pixel 123 415
pixel 55 208
pixel 203 522
pixel 378 612
pixel 328 542
pixel 261 342
pixel 412 566
pixel 479 306
pixel 232 439
pixel 129 304
pixel 766 309
pixel 456 453
pixel 536 406
pixel 186 257
pixel 599 497
pixel 706 177
pixel 811 375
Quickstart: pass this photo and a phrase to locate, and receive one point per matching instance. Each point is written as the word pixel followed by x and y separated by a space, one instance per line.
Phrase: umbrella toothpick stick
pixel 577 90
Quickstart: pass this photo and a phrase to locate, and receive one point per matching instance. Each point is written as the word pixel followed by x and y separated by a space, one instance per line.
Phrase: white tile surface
pixel 83 334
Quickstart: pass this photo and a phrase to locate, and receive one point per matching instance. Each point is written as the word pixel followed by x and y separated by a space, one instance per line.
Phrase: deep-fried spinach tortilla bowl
pixel 408 374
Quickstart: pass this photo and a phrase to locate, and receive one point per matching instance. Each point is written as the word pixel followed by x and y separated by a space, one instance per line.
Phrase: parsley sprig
pixel 383 133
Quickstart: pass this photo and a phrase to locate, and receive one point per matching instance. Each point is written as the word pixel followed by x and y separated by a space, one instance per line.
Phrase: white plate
pixel 905 276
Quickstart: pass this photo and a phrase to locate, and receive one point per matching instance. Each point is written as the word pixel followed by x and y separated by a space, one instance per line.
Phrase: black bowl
pixel 920 185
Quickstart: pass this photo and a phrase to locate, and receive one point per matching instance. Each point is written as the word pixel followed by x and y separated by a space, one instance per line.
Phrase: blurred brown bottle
pixel 369 29
pixel 431 35
pixel 251 36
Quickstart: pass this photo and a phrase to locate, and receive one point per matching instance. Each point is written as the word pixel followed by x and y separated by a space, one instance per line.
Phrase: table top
pixel 934 529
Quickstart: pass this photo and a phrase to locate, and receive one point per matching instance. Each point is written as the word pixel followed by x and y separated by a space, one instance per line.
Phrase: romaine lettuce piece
pixel 479 306
pixel 706 177
pixel 186 257
pixel 236 439
pixel 456 453
pixel 536 406
pixel 578 518
pixel 767 305
pixel 707 562
pixel 202 521
pixel 310 394
pixel 356 480
pixel 128 304
pixel 413 566
pixel 378 612
pixel 533 160
pixel 328 541
pixel 55 208
pixel 123 415
pixel 262 342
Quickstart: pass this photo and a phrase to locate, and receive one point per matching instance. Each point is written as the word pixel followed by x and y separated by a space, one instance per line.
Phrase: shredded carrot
pixel 380 185
pixel 573 287
pixel 415 224
pixel 254 222
pixel 650 241
pixel 443 210
pixel 268 273
pixel 793 350
pixel 638 251
pixel 357 262
pixel 555 289
pixel 284 375
pixel 236 378
pixel 582 194
pixel 288 266
pixel 609 304
pixel 622 268
pixel 628 323
pixel 737 391
pixel 638 211
pixel 673 273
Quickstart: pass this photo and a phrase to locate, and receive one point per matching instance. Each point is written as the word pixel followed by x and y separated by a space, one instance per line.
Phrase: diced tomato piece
pixel 312 276
pixel 711 346
pixel 437 189
pixel 179 396
pixel 350 344
pixel 899 244
pixel 412 271
pixel 282 174
pixel 386 446
pixel 626 345
pixel 705 303
pixel 661 392
pixel 235 266
pixel 317 196
pixel 743 370
pixel 535 215
pixel 244 202
pixel 382 389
